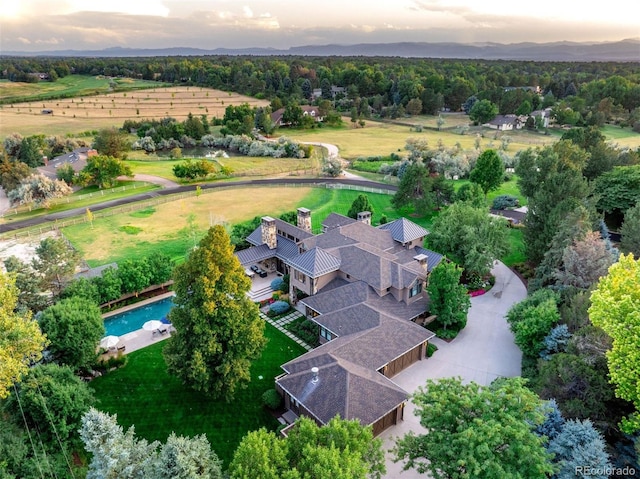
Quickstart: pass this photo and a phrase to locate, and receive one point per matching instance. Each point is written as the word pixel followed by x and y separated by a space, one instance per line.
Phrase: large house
pixel 77 159
pixel 307 110
pixel 365 289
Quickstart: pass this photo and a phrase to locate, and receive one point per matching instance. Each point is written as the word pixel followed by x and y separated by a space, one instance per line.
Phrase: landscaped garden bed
pixel 305 330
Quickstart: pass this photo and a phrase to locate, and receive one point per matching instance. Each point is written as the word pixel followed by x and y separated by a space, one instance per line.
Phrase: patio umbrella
pixel 165 320
pixel 152 325
pixel 109 341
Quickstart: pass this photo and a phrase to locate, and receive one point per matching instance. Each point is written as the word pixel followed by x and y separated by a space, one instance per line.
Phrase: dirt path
pixel 156 180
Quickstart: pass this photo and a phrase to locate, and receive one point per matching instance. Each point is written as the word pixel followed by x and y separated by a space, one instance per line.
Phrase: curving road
pixel 181 189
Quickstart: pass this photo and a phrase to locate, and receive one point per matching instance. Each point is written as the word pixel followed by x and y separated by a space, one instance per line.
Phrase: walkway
pixel 482 352
pixel 156 180
pixel 280 323
pixel 4 201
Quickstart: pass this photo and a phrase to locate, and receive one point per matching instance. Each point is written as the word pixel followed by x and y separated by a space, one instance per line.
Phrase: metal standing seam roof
pixel 315 262
pixel 433 258
pixel 335 220
pixel 285 250
pixel 403 230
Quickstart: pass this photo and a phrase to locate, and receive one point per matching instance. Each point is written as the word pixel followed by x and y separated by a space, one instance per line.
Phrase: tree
pixel 553 420
pixel 109 285
pixel 160 266
pixel 218 329
pixel 187 458
pixel 470 237
pixel 21 341
pixel 135 275
pixel 30 152
pixel 12 173
pixel 471 193
pixel 340 449
pixel 414 106
pixel 630 231
pixel 618 190
pixel 415 189
pixel 360 204
pixel 483 111
pixel 448 299
pixel 614 308
pixel 534 325
pixel 579 446
pixel 488 172
pixel 66 173
pixel 82 288
pixel 551 179
pixel 115 454
pixel 476 432
pixel 30 294
pixel 51 399
pixel 111 142
pixel 585 262
pixel 55 263
pixel 104 171
pixel 39 190
pixel 74 327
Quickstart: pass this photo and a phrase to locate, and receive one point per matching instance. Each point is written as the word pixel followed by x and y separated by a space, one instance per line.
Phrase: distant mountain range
pixel 625 50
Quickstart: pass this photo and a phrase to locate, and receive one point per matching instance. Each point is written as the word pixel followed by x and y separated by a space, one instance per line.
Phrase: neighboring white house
pixel 504 123
pixel 307 110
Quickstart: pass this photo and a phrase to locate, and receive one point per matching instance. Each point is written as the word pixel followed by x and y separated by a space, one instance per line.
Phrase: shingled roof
pixel 335 220
pixel 404 231
pixel 343 388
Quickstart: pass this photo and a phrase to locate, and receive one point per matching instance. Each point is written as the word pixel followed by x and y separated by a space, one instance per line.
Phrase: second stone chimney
pixel 269 233
pixel 365 217
pixel 304 219
pixel 422 260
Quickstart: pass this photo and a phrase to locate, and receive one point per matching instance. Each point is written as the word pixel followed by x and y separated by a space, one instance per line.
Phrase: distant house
pixel 47 111
pixel 307 110
pixel 534 89
pixel 77 159
pixel 364 287
pixel 504 123
pixel 544 114
pixel 335 90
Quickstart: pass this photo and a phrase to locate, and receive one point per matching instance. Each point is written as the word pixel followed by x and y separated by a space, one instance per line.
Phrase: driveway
pixel 4 201
pixel 482 352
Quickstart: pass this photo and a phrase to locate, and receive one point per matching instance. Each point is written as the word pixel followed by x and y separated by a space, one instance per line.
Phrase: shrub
pixel 279 307
pixel 431 349
pixel 505 201
pixel 271 399
pixel 278 284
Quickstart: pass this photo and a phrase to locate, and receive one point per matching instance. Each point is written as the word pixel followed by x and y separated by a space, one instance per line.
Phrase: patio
pixel 261 287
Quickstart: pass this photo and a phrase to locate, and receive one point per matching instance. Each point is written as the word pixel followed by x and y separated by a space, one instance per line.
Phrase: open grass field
pixel 80 199
pixel 165 227
pixel 69 86
pixel 378 138
pixel 144 394
pixel 84 112
pixel 242 166
pixel 621 136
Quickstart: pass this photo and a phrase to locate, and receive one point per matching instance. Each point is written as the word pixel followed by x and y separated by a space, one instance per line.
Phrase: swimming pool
pixel 132 320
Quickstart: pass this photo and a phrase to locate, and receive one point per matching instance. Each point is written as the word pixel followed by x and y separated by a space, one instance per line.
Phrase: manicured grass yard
pixel 145 395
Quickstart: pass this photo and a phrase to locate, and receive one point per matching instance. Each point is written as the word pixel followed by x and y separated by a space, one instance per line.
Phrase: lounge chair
pixel 122 348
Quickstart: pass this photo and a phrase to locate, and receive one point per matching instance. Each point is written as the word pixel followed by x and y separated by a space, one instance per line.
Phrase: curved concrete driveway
pixel 482 352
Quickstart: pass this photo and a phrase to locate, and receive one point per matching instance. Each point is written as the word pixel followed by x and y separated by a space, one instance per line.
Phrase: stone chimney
pixel 365 217
pixel 315 371
pixel 304 219
pixel 422 261
pixel 269 233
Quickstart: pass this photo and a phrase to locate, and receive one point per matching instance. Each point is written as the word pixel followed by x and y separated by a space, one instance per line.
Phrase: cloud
pixel 247 11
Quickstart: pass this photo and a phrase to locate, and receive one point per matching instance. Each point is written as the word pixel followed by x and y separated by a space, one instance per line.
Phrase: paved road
pixel 12 226
pixel 482 352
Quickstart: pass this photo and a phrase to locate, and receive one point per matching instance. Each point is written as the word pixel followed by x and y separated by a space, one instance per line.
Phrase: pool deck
pixel 139 338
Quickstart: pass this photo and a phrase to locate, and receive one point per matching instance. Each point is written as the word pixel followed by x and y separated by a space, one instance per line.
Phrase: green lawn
pixel 507 188
pixel 145 395
pixel 516 244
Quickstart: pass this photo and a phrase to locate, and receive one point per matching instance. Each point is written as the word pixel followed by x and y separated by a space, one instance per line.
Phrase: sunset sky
pixel 38 25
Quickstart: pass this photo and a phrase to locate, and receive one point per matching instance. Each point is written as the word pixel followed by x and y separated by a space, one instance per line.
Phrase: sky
pixel 43 25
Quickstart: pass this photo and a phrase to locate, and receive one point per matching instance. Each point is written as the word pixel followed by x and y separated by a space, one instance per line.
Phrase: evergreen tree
pixel 415 189
pixel 579 445
pixel 630 231
pixel 360 204
pixel 218 330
